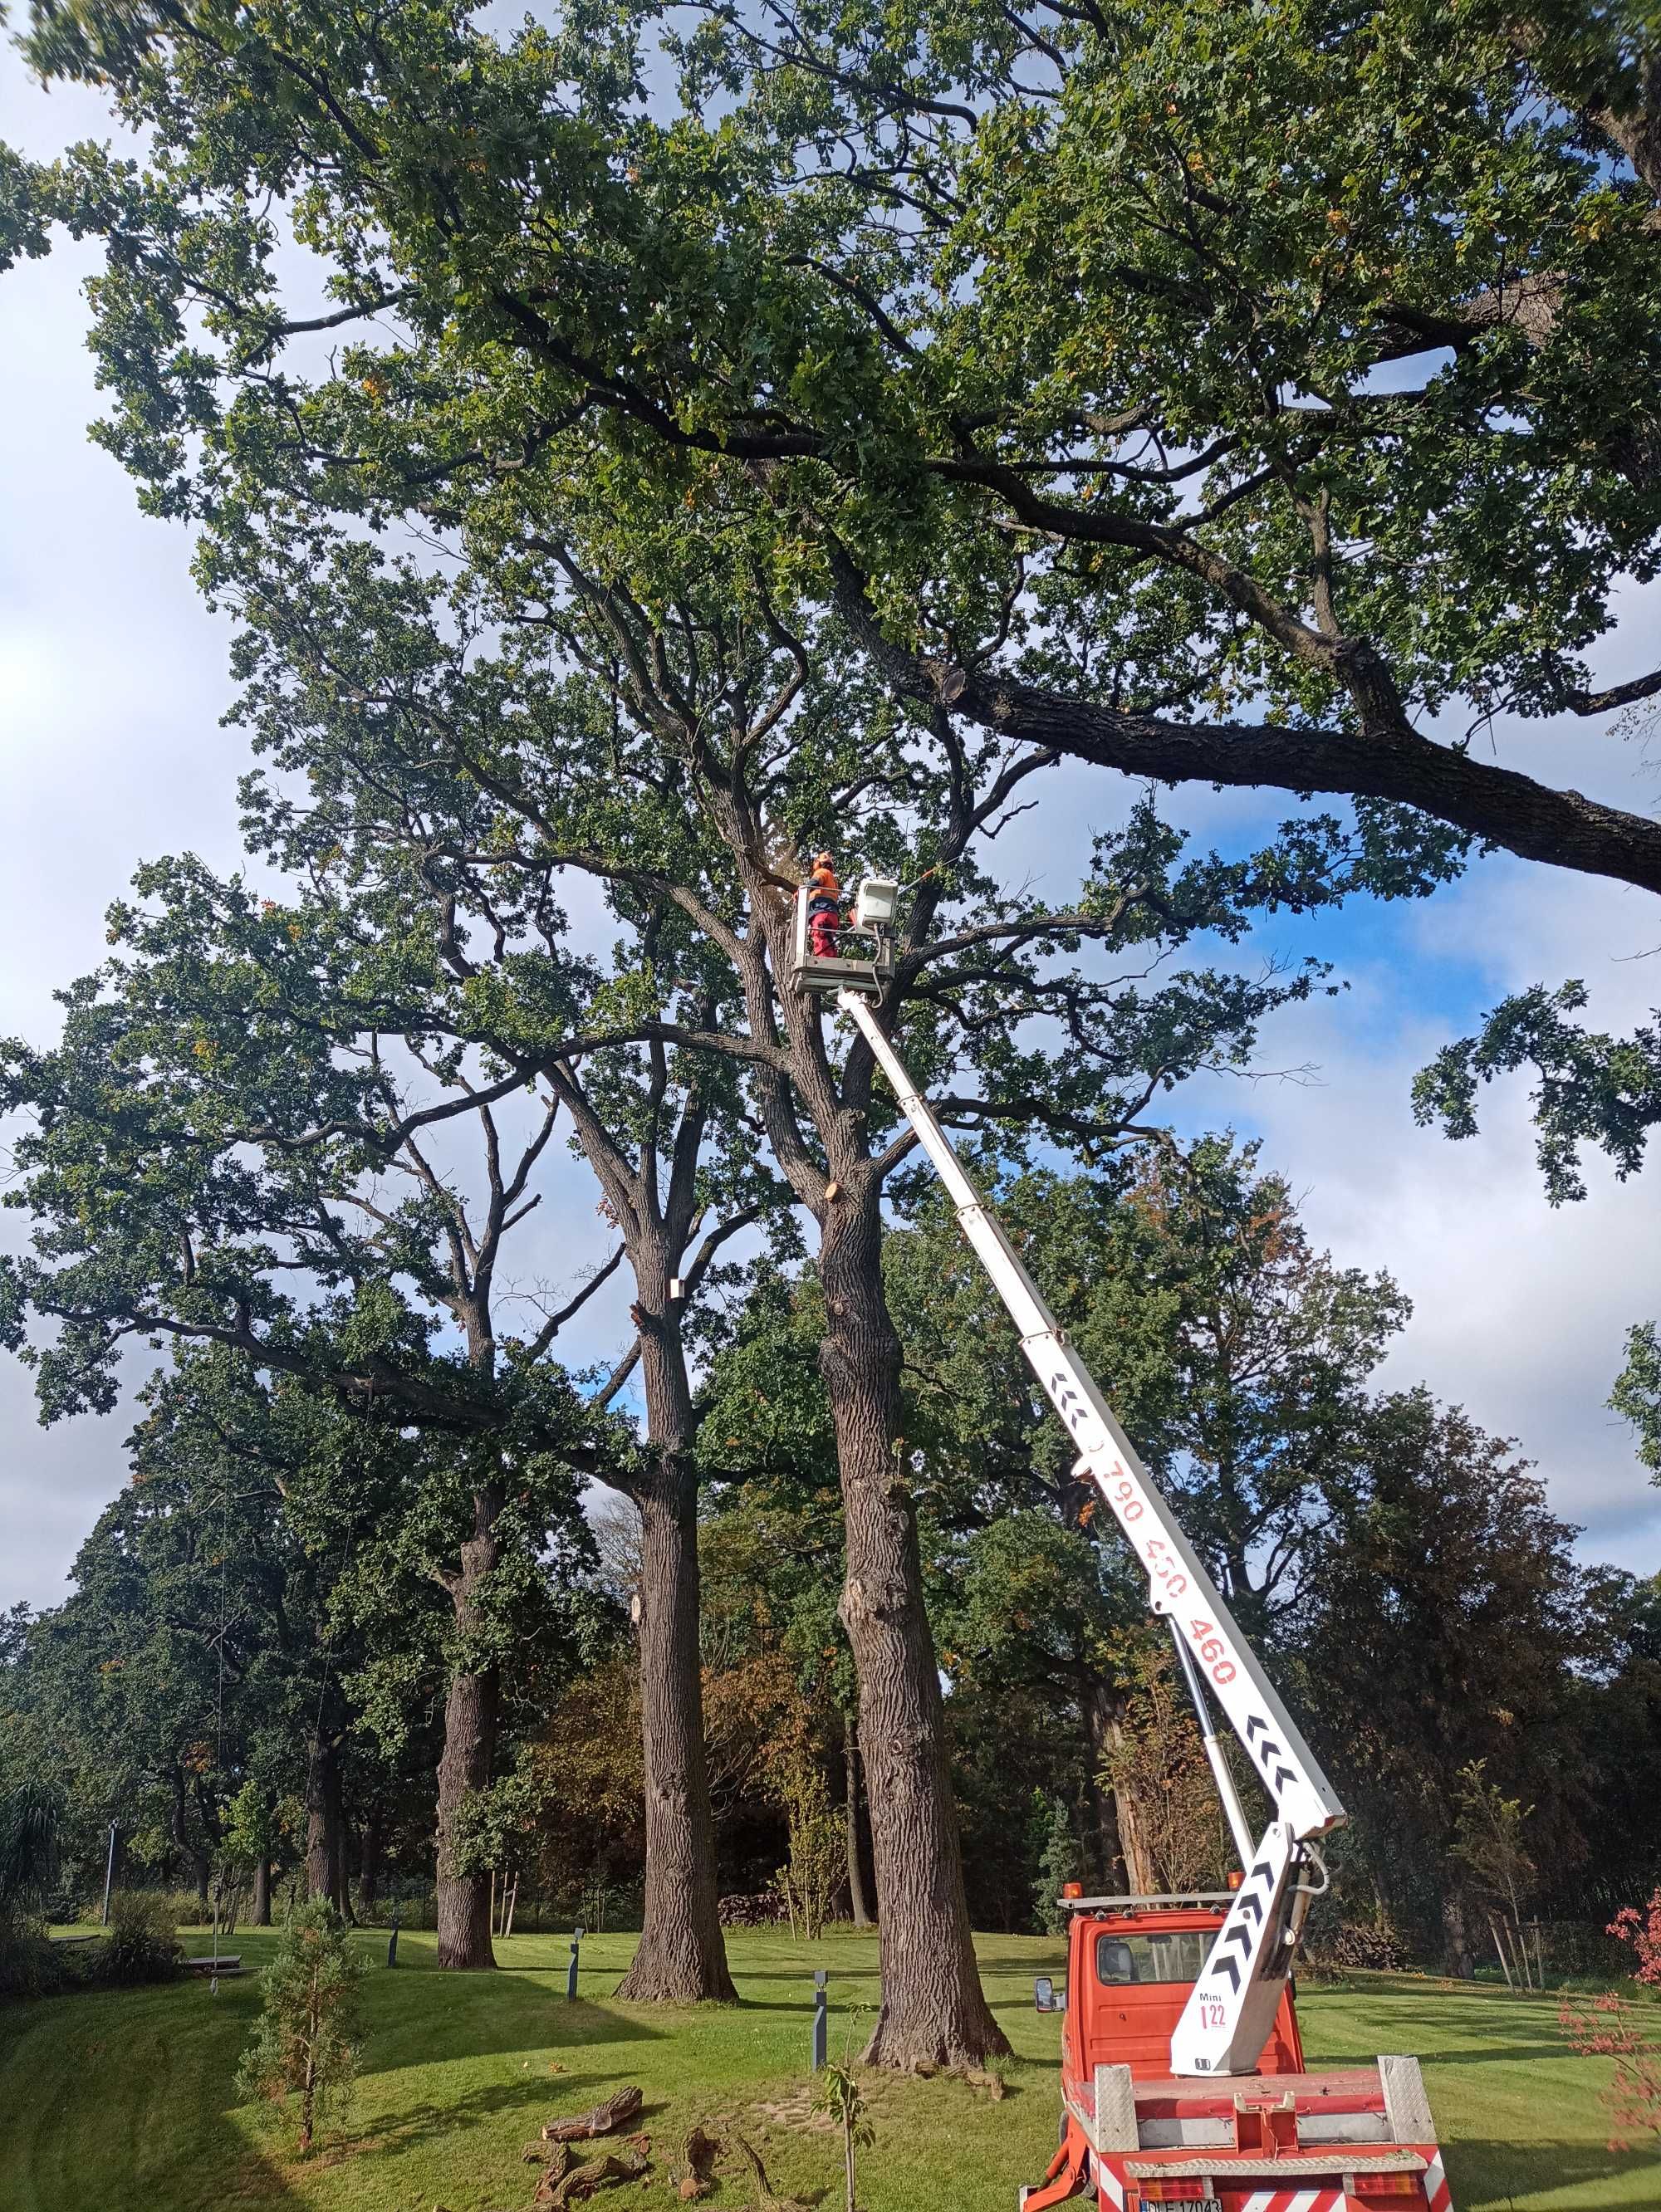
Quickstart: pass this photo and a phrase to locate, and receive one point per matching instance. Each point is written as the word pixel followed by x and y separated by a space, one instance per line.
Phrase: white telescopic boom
pixel 1244 1970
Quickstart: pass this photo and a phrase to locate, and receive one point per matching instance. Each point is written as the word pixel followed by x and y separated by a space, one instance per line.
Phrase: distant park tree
pixel 1637 1393
pixel 1234 1351
pixel 229 1147
pixel 661 1124
pixel 295 1512
pixel 1443 1621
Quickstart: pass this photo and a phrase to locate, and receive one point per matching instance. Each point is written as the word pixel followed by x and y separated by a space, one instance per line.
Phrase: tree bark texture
pixel 933 2009
pixel 323 1818
pixel 342 1893
pixel 470 1712
pixel 1456 1940
pixel 262 1893
pixel 1123 1824
pixel 1094 1707
pixel 858 1911
pixel 681 1958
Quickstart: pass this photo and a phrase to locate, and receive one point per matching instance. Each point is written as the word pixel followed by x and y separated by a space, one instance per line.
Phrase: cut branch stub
pixel 604 2120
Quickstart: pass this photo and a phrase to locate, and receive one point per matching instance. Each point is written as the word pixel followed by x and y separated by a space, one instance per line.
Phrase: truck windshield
pixel 1175 1955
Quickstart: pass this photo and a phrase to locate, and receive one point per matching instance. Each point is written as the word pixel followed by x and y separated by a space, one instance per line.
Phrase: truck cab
pixel 1131 1963
pixel 1352 2139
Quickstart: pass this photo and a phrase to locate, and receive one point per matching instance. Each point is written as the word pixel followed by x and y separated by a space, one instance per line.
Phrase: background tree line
pixel 249 1675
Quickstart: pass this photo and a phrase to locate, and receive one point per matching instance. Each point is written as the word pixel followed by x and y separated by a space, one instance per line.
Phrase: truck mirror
pixel 1044 1998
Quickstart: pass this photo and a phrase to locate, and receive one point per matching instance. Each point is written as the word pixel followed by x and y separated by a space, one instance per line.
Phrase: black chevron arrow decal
pixel 1254 1906
pixel 1281 1774
pixel 1255 1721
pixel 1227 1966
pixel 1240 1936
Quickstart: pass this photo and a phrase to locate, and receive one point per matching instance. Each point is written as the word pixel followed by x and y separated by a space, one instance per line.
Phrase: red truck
pixel 1351 2139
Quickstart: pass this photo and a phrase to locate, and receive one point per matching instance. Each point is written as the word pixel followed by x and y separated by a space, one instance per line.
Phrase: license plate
pixel 1186 2205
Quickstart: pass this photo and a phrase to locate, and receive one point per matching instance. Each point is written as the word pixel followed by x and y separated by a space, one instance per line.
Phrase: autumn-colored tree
pixel 1160 1761
pixel 1641 1926
pixel 1612 2027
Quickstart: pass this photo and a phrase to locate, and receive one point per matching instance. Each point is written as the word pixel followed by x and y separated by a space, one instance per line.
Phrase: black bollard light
pixel 821 2020
pixel 571 1970
pixel 391 1941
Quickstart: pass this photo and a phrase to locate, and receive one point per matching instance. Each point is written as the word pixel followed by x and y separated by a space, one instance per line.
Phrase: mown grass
pixel 125 2099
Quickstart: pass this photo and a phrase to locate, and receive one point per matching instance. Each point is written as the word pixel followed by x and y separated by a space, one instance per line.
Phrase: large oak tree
pixel 1306 355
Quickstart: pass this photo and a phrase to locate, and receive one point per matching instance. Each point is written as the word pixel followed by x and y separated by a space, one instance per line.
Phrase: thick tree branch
pixel 1498 804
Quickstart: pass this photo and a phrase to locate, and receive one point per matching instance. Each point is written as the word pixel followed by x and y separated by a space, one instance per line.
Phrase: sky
pixel 112 682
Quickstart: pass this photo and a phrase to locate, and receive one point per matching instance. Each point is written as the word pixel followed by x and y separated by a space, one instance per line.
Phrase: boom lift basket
pixel 873 927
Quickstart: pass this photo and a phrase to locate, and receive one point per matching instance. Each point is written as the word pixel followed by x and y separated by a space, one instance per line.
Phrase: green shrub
pixel 140 1946
pixel 31 1966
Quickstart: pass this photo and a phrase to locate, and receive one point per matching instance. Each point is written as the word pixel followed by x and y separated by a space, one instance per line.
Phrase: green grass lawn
pixel 125 2099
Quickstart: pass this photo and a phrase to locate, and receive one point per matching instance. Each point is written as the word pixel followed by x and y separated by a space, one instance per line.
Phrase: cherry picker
pixel 1182 2073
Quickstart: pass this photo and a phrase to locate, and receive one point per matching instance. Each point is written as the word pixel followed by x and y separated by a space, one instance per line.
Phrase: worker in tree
pixel 824 908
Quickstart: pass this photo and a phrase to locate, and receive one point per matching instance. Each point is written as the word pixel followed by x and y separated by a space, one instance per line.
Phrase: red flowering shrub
pixel 1609 2027
pixel 1642 1929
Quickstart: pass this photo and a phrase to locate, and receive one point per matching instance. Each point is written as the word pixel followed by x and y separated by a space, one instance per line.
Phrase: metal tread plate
pixel 1292 2171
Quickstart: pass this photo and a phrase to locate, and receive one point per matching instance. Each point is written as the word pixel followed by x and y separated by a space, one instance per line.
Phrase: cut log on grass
pixel 606 2120
pixel 765 2198
pixel 979 2077
pixel 583 2181
pixel 701 2153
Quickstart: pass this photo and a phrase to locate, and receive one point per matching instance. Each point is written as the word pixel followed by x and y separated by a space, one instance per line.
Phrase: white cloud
pixel 1520 1310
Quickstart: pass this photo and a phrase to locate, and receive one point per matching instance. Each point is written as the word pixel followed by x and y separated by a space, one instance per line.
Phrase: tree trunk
pixel 681 1958
pixel 1096 1701
pixel 323 1818
pixel 1121 1813
pixel 262 1893
pixel 186 1845
pixel 933 2009
pixel 471 1708
pixel 858 1911
pixel 1455 1941
pixel 369 1862
pixel 343 1860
